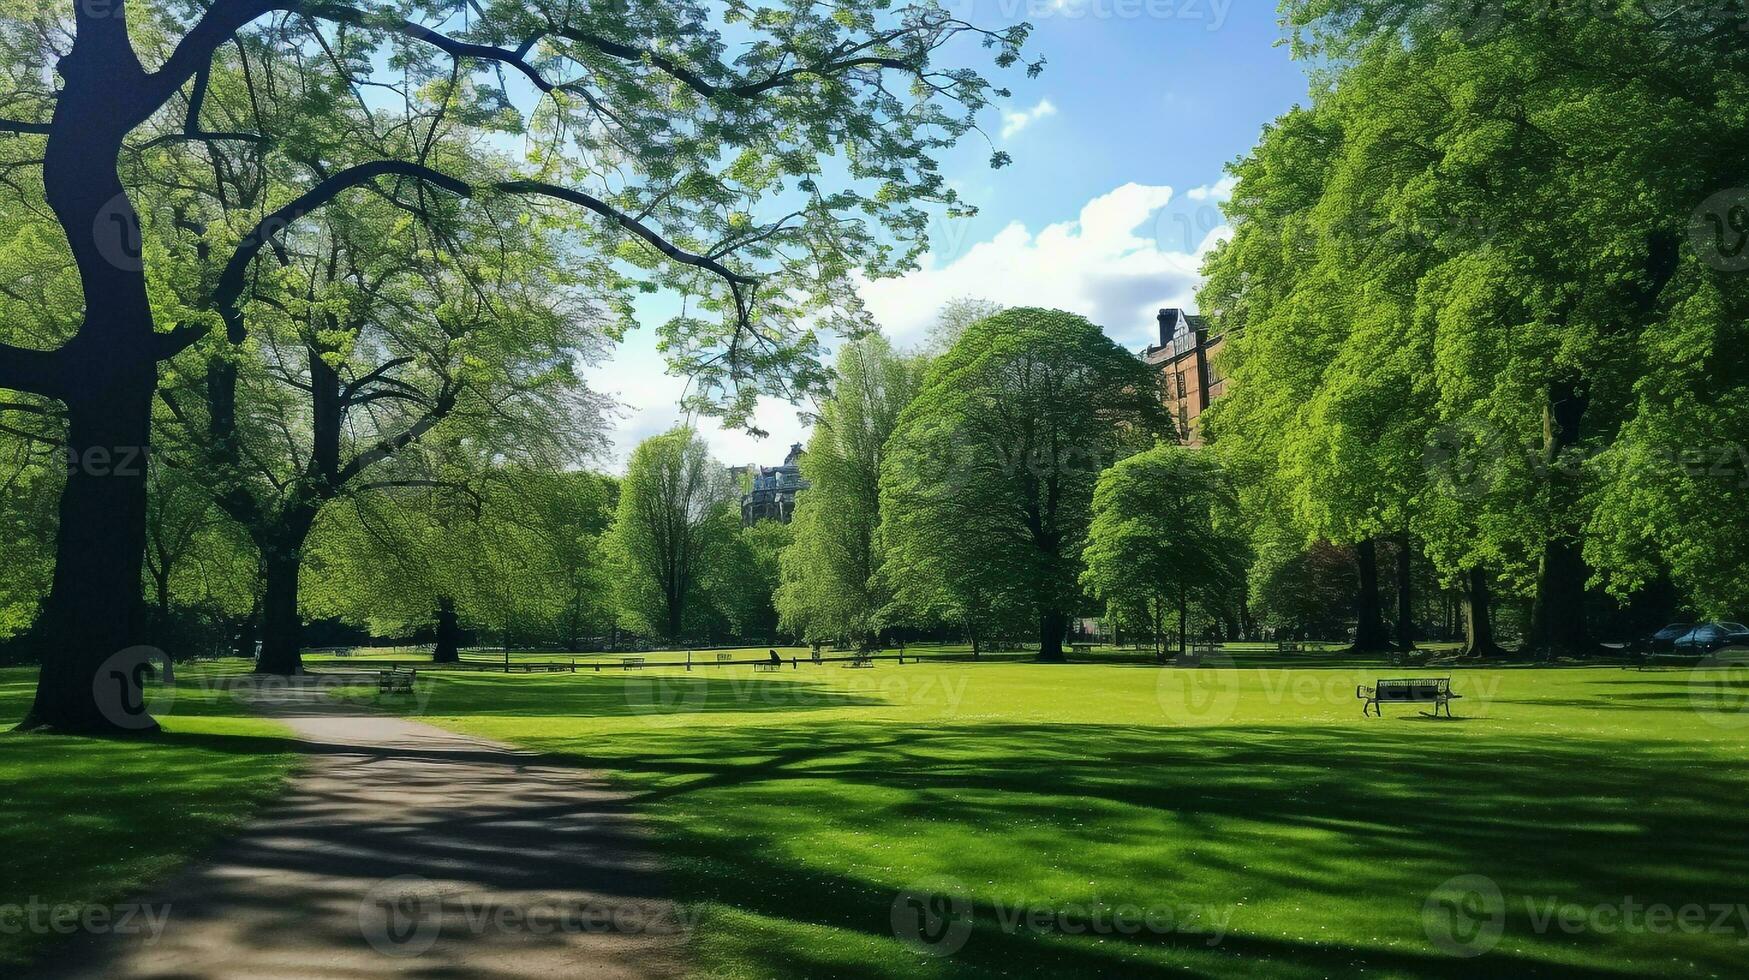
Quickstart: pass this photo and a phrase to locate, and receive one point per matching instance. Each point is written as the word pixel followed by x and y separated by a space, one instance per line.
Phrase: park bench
pixel 631 663
pixel 861 660
pixel 723 658
pixel 396 680
pixel 1407 690
pixel 1080 648
pixel 766 666
pixel 1290 645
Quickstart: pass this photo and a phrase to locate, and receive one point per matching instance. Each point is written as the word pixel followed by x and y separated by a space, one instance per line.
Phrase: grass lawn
pixel 1242 822
pixel 88 821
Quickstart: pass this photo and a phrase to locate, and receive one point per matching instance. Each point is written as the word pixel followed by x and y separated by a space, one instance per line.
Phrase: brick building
pixel 1185 355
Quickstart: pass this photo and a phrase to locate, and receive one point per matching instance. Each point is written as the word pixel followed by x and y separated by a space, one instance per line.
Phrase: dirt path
pixel 405 850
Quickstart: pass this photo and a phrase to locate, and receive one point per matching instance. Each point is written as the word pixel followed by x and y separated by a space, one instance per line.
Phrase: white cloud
pixel 1129 252
pixel 1220 190
pixel 1014 122
pixel 1107 265
pixel 636 376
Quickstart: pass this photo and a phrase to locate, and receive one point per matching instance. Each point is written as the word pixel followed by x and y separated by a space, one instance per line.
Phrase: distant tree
pixel 1303 590
pixel 987 486
pixel 744 585
pixel 676 514
pixel 520 557
pixel 951 322
pixel 832 588
pixel 1163 538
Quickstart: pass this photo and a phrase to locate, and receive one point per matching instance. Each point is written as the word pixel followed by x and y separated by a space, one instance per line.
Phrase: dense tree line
pixel 1479 304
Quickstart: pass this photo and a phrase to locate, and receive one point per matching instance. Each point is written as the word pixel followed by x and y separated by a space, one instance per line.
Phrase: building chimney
pixel 1168 325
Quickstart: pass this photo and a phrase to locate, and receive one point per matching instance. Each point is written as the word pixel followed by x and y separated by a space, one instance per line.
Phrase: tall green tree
pixel 676 518
pixel 832 587
pixel 693 173
pixel 1514 353
pixel 1163 538
pixel 987 486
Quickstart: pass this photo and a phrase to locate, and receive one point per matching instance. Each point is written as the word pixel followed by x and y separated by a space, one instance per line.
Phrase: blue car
pixel 1665 639
pixel 1708 637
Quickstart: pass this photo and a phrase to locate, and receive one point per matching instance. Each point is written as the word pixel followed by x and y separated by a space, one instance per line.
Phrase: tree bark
pixel 105 376
pixel 282 631
pixel 1405 596
pixel 1369 625
pixel 1478 617
pixel 1183 623
pixel 1557 621
pixel 94 608
pixel 1051 623
pixel 448 649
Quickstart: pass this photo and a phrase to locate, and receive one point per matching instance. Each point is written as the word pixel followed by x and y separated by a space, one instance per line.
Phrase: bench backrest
pixel 1413 689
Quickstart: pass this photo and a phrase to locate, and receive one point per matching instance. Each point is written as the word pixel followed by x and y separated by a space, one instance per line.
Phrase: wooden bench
pixel 723 658
pixel 631 663
pixel 1080 648
pixel 1288 645
pixel 766 666
pixel 396 680
pixel 861 660
pixel 1407 690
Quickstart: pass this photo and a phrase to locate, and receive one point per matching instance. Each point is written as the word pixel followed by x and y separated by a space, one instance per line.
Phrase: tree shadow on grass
pixel 1354 831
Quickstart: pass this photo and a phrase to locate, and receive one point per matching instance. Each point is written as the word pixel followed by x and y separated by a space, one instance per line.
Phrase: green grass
pixel 86 822
pixel 798 806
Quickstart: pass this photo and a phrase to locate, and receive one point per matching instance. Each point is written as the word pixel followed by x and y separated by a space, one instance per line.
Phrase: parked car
pixel 1708 637
pixel 1665 639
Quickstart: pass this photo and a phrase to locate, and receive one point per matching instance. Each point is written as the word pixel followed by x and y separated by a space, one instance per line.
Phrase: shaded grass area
pixel 1262 826
pixel 87 822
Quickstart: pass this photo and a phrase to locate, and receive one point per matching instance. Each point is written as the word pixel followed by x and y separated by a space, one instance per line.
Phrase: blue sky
pixel 1118 153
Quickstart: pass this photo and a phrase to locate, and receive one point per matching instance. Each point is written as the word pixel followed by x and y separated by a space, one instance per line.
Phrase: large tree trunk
pixel 1405 597
pixel 1557 621
pixel 1478 616
pixel 448 650
pixel 1369 624
pixel 105 376
pixel 282 631
pixel 1051 623
pixel 94 609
